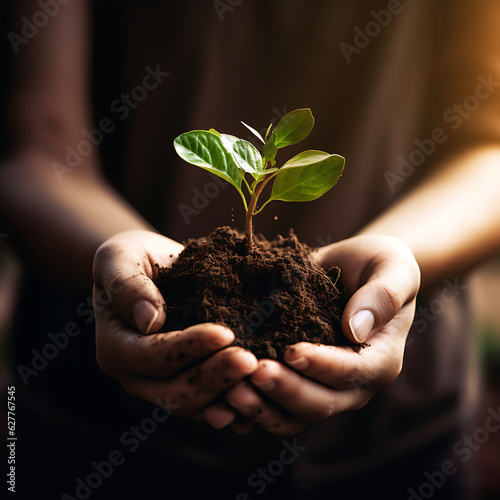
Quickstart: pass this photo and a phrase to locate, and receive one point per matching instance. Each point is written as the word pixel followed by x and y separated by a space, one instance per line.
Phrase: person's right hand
pixel 188 368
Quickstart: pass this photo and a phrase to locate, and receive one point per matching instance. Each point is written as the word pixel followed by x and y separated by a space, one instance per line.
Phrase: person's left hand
pixel 382 279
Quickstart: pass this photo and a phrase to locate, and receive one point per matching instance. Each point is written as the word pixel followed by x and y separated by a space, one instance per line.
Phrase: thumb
pixel 391 284
pixel 124 269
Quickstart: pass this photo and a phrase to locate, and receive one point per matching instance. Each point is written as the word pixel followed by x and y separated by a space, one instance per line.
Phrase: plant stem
pixel 251 208
pixel 249 221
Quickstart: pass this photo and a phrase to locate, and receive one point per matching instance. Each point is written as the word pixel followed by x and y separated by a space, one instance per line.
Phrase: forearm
pixel 62 221
pixel 451 221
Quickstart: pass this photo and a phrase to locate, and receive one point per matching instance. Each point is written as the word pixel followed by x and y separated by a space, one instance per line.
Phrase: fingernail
pixel 222 423
pixel 242 409
pixel 361 325
pixel 299 363
pixel 265 385
pixel 224 338
pixel 248 359
pixel 144 314
pixel 246 362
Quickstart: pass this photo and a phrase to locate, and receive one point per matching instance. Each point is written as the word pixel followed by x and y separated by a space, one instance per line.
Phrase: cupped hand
pixel 190 368
pixel 382 280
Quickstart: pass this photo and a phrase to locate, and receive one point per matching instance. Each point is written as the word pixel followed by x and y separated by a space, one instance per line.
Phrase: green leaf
pixel 204 149
pixel 269 171
pixel 254 132
pixel 213 131
pixel 263 174
pixel 307 176
pixel 306 158
pixel 269 150
pixel 267 131
pixel 245 154
pixel 292 128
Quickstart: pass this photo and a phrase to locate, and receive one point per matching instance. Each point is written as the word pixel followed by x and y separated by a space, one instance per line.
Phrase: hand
pixel 130 310
pixel 382 279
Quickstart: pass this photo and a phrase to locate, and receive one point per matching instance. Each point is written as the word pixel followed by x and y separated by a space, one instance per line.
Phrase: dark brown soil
pixel 272 297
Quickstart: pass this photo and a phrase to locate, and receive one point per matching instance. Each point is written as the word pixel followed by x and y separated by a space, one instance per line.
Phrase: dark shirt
pixel 379 83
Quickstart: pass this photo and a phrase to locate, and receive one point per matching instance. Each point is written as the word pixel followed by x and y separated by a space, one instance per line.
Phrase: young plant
pixel 304 177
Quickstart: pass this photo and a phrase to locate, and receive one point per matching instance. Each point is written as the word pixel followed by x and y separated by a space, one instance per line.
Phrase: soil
pixel 271 297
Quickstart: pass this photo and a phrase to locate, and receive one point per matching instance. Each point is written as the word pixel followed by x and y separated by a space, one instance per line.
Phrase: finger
pixel 374 367
pixel 242 427
pixel 308 400
pixel 124 268
pixel 392 281
pixel 197 387
pixel 219 415
pixel 243 398
pixel 121 350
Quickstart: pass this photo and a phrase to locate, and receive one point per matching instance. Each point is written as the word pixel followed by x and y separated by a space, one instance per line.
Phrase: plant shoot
pixel 304 177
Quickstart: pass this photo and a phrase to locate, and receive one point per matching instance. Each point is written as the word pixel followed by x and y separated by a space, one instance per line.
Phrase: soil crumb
pixel 271 297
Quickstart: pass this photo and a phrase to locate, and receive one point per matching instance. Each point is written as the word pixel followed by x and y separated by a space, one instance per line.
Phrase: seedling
pixel 304 177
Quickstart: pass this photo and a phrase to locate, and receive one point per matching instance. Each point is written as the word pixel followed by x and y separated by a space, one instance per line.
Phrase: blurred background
pixel 485 302
pixel 484 298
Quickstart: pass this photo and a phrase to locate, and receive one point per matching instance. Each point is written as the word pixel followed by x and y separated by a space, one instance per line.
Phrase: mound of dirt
pixel 271 297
